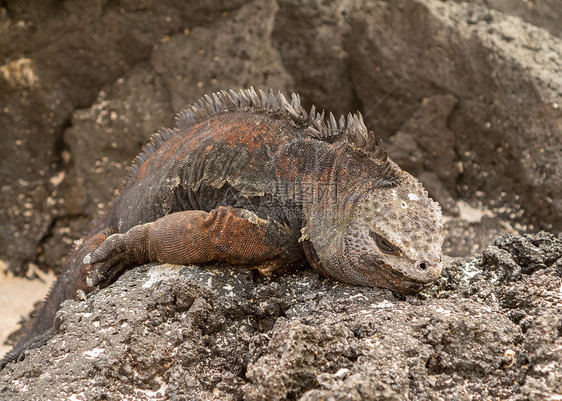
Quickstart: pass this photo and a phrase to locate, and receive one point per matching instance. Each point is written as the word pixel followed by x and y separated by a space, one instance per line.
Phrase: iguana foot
pixel 118 253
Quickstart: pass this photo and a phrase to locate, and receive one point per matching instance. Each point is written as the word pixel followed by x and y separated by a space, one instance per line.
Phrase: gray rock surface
pixel 466 97
pixel 506 77
pixel 56 57
pixel 543 13
pixel 489 329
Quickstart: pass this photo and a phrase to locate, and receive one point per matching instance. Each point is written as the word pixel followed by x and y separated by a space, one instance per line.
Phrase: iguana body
pixel 252 179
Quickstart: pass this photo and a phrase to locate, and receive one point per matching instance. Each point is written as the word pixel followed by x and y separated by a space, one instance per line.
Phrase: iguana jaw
pixel 398 276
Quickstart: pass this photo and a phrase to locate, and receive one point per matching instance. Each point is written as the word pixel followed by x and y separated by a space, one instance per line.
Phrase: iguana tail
pixel 72 279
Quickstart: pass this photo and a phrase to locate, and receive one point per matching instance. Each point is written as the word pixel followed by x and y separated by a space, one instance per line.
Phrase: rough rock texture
pixel 469 98
pixel 543 13
pixel 56 56
pixel 506 77
pixel 489 329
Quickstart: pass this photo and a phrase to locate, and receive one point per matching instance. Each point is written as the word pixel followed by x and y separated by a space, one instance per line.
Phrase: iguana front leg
pixel 226 234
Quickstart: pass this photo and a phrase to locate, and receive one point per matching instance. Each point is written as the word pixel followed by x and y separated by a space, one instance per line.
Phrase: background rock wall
pixel 467 98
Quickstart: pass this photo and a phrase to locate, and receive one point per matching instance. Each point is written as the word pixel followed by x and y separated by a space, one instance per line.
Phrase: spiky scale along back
pixel 351 129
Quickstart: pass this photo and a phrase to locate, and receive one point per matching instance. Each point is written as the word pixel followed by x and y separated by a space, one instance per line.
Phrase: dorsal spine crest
pixel 351 129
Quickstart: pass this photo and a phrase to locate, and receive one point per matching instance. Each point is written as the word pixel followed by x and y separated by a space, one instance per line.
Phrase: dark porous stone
pixel 489 328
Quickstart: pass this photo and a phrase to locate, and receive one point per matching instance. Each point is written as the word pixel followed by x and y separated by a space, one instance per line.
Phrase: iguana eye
pixel 384 244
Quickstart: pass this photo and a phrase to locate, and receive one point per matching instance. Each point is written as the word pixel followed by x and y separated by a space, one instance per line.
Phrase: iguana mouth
pixel 399 282
pixel 384 275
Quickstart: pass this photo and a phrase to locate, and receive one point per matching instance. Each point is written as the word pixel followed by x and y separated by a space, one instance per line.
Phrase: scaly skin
pixel 255 180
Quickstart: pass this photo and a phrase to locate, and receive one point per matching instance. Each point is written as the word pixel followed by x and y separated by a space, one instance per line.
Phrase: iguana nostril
pixel 422 265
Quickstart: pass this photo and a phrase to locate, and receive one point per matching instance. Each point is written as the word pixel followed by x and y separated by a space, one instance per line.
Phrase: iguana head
pixel 389 237
pixel 383 230
pixel 394 238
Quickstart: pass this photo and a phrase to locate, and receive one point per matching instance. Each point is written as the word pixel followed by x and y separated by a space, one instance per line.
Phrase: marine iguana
pixel 250 178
